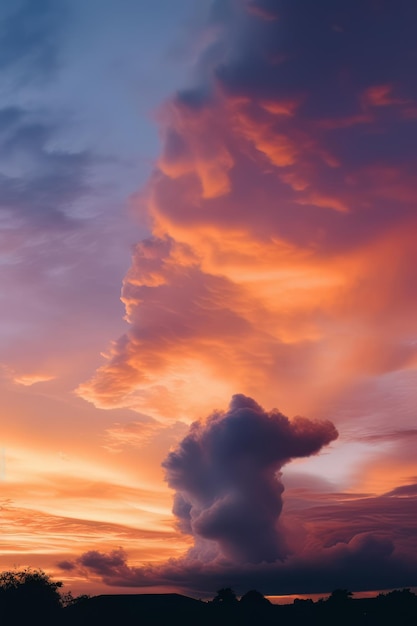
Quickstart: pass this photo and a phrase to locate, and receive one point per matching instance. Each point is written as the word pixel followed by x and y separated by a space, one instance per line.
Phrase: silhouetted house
pixel 143 609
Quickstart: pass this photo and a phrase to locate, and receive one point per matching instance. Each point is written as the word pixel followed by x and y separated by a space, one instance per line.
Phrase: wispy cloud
pixel 134 434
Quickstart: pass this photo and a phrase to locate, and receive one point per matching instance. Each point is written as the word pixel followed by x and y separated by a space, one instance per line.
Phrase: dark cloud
pixel 39 182
pixel 404 491
pixel 104 564
pixel 339 518
pixel 390 435
pixel 224 473
pixel 66 566
pixel 312 43
pixel 326 57
pixel 229 496
pixel 340 142
pixel 29 36
pixel 368 562
pixel 359 544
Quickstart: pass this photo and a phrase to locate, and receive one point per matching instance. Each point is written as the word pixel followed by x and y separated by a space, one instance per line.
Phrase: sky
pixel 208 255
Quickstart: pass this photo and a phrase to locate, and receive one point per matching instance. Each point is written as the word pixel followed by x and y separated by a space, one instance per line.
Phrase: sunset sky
pixel 208 294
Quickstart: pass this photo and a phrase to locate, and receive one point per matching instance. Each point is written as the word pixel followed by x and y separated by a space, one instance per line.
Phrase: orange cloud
pixel 32 379
pixel 280 262
pixel 136 434
pixel 248 287
pixel 193 146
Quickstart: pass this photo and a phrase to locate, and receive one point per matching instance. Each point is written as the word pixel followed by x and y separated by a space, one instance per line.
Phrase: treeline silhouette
pixel 31 597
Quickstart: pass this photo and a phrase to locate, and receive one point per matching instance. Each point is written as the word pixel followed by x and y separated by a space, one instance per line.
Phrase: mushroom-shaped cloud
pixel 226 476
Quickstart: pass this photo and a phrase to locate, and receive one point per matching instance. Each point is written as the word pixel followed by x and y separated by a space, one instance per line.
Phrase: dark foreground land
pixel 29 597
pixel 398 608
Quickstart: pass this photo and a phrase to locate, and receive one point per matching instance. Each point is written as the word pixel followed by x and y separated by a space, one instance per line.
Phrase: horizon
pixel 208 334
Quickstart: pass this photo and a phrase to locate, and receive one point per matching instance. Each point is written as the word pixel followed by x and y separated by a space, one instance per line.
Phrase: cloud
pixel 224 473
pixel 104 564
pixel 381 96
pixel 41 532
pixel 405 491
pixel 39 182
pixel 367 562
pixel 339 518
pixel 136 434
pixel 281 259
pixel 357 543
pixel 66 566
pixel 32 379
pixel 29 39
pixel 228 497
pixel 391 435
pixel 280 210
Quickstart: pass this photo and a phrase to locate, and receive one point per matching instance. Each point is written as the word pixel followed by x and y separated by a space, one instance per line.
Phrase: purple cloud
pixel 225 474
pixel 369 561
pixel 104 564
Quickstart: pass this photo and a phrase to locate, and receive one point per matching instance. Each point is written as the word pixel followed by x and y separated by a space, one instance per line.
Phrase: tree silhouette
pixel 340 597
pixel 29 595
pixel 67 599
pixel 225 597
pixel 398 595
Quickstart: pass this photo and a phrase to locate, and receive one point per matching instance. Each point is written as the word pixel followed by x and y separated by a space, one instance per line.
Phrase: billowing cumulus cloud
pixel 224 472
pixel 282 212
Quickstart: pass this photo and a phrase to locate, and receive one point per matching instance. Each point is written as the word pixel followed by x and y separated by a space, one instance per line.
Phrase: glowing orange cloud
pixel 243 286
pixel 190 149
pixel 281 261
